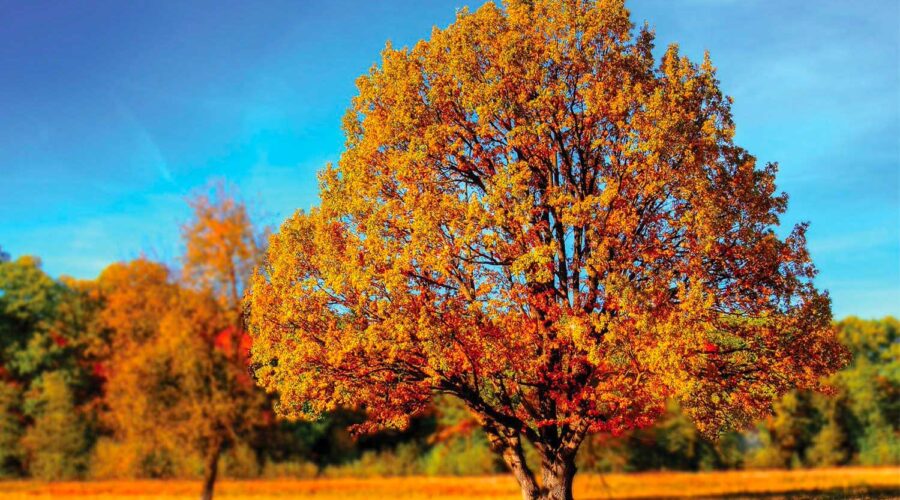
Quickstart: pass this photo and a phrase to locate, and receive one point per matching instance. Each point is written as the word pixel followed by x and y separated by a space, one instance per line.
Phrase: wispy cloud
pixel 147 150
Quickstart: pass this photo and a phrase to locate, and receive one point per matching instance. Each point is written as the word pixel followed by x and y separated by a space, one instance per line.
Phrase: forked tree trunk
pixel 210 471
pixel 557 472
pixel 557 477
pixel 557 464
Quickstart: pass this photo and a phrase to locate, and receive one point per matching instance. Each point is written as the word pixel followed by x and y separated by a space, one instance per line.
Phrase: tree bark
pixel 210 471
pixel 516 463
pixel 510 448
pixel 557 476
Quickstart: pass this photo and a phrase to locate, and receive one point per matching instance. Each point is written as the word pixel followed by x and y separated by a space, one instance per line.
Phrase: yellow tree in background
pixel 136 297
pixel 535 216
pixel 222 247
pixel 177 370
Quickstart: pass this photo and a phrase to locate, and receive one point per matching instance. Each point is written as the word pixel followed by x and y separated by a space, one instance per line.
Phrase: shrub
pixel 461 456
pixel 240 462
pixel 114 460
pixel 289 470
pixel 400 461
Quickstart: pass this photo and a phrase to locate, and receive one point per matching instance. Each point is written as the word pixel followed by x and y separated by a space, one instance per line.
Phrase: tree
pixel 11 423
pixel 137 296
pixel 221 249
pixel 459 448
pixel 535 217
pixel 829 447
pixel 788 434
pixel 28 299
pixel 178 352
pixel 28 302
pixel 45 381
pixel 870 387
pixel 55 444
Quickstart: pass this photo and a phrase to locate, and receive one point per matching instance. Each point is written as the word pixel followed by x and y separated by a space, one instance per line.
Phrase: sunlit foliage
pixel 534 215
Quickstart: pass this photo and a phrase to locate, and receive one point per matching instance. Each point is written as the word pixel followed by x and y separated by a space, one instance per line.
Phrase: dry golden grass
pixel 860 482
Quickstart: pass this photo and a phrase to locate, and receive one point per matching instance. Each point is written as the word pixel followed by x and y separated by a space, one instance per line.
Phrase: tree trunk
pixel 516 463
pixel 556 478
pixel 557 464
pixel 210 471
pixel 510 448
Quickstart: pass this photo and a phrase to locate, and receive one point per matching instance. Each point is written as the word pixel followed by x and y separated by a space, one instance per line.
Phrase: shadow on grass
pixel 855 493
pixel 833 493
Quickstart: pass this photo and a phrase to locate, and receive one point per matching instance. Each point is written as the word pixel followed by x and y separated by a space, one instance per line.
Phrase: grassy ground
pixel 828 483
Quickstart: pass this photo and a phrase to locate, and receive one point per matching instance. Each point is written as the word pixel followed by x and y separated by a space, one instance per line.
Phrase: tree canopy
pixel 534 215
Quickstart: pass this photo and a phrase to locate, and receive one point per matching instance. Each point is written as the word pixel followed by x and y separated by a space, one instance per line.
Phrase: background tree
pixel 859 425
pixel 178 351
pixel 871 388
pixel 222 247
pixel 830 445
pixel 55 444
pixel 535 217
pixel 27 302
pixel 460 446
pixel 11 428
pixel 137 296
pixel 27 313
pixel 787 434
pixel 45 382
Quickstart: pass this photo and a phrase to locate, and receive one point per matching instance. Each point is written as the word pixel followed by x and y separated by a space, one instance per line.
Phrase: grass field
pixel 830 483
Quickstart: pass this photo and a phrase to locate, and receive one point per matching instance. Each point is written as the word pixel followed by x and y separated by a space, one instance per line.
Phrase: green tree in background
pixel 858 424
pixel 459 446
pixel 27 307
pixel 871 386
pixel 830 446
pixel 41 361
pixel 55 444
pixel 673 443
pixel 787 434
pixel 11 428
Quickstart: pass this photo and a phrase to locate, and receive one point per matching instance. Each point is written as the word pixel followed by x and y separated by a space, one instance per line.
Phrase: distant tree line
pixel 142 372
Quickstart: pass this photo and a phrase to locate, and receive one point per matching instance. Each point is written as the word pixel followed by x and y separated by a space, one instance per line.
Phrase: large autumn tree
pixel 535 216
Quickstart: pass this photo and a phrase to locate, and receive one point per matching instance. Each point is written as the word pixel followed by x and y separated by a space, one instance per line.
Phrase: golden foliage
pixel 221 246
pixel 535 216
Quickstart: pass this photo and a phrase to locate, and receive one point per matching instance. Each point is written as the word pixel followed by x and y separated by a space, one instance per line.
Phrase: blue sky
pixel 112 112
